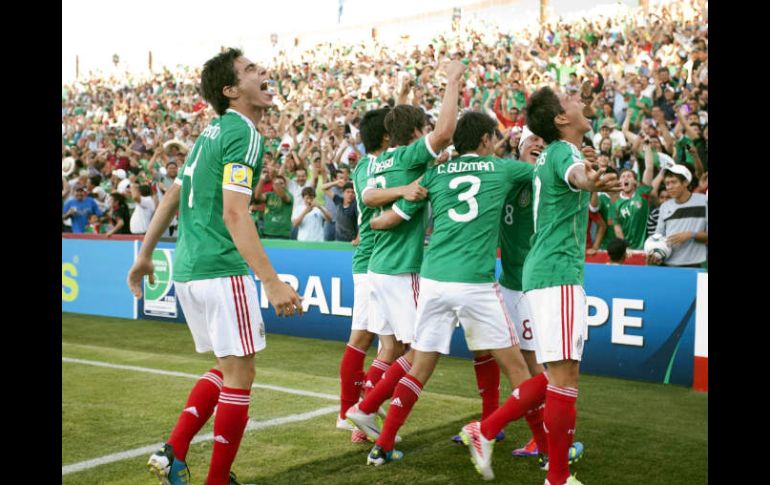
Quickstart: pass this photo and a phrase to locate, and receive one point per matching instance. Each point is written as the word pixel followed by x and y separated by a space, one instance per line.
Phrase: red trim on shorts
pixel 415 288
pixel 571 319
pixel 508 321
pixel 563 324
pixel 249 334
pixel 238 311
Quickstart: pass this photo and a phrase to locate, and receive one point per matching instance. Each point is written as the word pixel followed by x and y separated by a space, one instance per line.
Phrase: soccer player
pixel 552 279
pixel 217 245
pixel 397 254
pixel 352 377
pixel 515 233
pixel 457 277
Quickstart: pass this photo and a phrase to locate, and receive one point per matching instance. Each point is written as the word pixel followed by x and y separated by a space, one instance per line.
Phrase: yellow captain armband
pixel 238 174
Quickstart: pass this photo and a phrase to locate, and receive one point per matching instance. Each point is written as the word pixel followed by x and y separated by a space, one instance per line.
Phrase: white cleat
pixel 344 425
pixel 480 448
pixel 364 422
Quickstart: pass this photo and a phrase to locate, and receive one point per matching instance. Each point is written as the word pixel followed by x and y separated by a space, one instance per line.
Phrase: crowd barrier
pixel 647 323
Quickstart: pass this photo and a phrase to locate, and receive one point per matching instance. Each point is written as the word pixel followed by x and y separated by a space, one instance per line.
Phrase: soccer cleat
pixel 480 449
pixel 571 480
pixel 530 449
pixel 500 437
pixel 575 454
pixel 344 425
pixel 378 456
pixel 167 468
pixel 364 422
pixel 358 436
pixel 380 419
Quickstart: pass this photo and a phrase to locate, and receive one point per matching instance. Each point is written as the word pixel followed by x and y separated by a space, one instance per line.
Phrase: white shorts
pixel 360 301
pixel 478 307
pixel 560 322
pixel 223 315
pixel 393 304
pixel 518 308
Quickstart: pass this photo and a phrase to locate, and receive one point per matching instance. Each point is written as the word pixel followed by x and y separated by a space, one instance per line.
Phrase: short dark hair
pixel 401 122
pixel 668 173
pixel 145 190
pixel 171 162
pixel 628 170
pixel 348 185
pixel 308 191
pixel 279 177
pixel 471 127
pixel 616 249
pixel 543 106
pixel 373 128
pixel 218 72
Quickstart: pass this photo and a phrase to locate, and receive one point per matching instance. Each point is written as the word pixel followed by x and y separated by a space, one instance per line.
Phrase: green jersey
pixel 466 195
pixel 632 215
pixel 605 210
pixel 365 232
pixel 400 249
pixel 560 211
pixel 516 229
pixel 278 214
pixel 226 155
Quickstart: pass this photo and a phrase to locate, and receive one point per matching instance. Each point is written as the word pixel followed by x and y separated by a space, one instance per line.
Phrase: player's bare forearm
pixel 244 234
pixel 374 198
pixel 441 137
pixel 160 221
pixel 386 220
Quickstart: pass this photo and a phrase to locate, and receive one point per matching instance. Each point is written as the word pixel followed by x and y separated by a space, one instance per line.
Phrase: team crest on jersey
pixel 525 197
pixel 637 204
pixel 237 174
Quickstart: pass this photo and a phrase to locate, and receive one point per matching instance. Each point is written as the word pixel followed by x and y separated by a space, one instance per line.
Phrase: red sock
pixel 374 374
pixel 535 421
pixel 384 389
pixel 232 415
pixel 406 394
pixel 560 415
pixel 488 382
pixel 351 370
pixel 527 396
pixel 200 405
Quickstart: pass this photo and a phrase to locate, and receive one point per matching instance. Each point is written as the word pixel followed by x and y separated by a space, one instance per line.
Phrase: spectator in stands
pixel 118 216
pixel 144 209
pixel 346 228
pixel 683 220
pixel 278 207
pixel 79 208
pixel 616 250
pixel 309 222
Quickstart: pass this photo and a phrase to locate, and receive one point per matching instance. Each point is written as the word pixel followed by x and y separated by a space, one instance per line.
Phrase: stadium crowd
pixel 643 80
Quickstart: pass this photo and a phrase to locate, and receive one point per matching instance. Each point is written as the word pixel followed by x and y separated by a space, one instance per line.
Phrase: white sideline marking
pixel 252 425
pixel 148 370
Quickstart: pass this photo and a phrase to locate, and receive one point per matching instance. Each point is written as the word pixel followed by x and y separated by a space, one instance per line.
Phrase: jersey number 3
pixel 468 197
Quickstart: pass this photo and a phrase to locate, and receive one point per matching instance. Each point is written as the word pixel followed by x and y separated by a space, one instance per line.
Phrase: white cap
pixel 681 170
pixel 123 185
pixel 119 173
pixel 67 166
pixel 525 133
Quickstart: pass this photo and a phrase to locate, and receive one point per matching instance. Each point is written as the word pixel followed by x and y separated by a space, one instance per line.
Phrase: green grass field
pixel 634 432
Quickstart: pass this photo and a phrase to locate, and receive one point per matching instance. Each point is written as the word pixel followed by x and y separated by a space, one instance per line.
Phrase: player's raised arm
pixel 441 136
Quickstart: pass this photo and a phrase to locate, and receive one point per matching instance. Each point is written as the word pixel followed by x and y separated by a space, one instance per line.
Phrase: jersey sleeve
pixel 519 172
pixel 242 148
pixel 418 154
pixel 644 191
pixel 565 159
pixel 406 209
